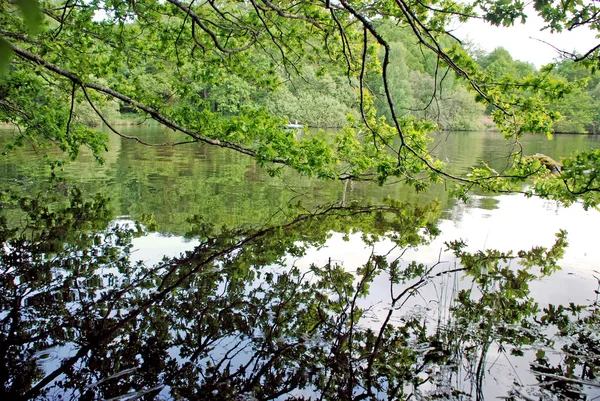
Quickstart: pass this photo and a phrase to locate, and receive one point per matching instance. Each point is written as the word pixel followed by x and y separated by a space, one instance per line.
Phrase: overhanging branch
pixel 155 114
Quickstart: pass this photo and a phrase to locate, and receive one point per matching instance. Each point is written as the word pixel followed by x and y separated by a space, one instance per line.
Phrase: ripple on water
pixel 45 356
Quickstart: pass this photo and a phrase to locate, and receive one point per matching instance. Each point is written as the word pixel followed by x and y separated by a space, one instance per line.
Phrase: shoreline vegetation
pixel 484 123
pixel 387 90
pixel 326 99
pixel 320 97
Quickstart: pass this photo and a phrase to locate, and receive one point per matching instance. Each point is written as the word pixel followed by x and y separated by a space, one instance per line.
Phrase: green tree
pixel 579 108
pixel 197 68
pixel 500 63
pixel 315 98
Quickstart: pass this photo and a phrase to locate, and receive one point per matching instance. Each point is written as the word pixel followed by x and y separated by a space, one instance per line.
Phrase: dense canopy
pixel 211 69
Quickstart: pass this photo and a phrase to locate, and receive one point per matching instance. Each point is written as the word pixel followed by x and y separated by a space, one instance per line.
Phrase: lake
pixel 283 292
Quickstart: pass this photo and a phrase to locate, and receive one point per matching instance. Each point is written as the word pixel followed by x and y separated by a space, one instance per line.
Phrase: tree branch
pixel 156 115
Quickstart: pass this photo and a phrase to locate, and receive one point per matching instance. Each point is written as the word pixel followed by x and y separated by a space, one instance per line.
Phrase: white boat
pixel 295 125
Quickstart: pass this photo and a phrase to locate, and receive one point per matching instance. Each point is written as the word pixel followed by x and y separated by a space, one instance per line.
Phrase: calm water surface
pixel 226 188
pixel 172 183
pixel 168 185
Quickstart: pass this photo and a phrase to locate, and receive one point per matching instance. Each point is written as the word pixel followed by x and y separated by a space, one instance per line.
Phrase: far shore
pixel 485 124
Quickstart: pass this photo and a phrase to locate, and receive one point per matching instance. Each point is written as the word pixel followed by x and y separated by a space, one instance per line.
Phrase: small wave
pixel 45 356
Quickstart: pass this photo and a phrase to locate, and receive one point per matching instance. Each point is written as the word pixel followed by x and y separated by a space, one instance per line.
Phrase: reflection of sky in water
pixel 516 223
pixel 151 248
pixel 501 222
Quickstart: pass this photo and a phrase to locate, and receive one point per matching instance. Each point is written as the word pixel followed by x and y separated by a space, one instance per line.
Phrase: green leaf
pixel 5 56
pixel 540 354
pixel 31 13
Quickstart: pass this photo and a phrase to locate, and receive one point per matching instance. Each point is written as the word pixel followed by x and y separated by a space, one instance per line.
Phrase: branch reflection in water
pixel 237 317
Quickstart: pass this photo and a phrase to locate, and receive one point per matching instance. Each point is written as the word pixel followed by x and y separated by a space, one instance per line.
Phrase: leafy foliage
pixel 230 75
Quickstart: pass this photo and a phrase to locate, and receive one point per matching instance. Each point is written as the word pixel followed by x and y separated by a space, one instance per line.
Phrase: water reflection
pixel 272 296
pixel 244 316
pixel 168 185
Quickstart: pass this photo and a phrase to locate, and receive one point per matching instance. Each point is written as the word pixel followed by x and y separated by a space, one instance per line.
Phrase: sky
pixel 520 40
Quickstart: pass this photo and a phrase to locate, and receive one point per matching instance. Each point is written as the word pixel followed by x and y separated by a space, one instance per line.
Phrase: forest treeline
pixel 324 96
